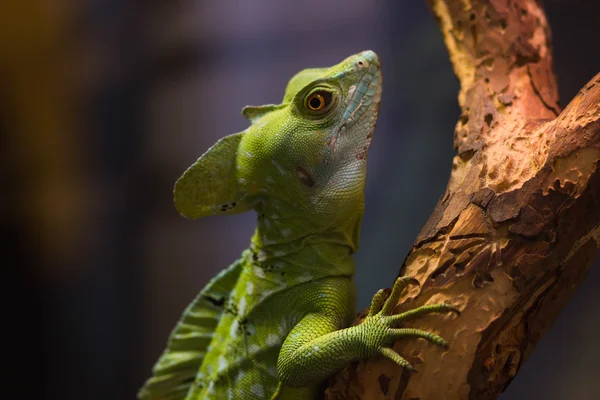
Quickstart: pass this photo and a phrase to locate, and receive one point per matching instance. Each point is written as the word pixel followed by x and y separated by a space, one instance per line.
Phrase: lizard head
pixel 306 155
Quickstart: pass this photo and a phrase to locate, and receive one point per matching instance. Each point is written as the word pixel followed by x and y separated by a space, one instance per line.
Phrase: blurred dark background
pixel 104 103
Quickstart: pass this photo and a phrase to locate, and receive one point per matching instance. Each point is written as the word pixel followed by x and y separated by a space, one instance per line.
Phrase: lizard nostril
pixel 370 57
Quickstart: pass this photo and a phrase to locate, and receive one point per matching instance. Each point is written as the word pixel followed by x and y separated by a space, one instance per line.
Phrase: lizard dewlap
pixel 274 324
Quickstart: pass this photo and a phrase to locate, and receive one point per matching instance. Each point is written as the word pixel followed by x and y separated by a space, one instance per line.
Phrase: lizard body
pixel 274 324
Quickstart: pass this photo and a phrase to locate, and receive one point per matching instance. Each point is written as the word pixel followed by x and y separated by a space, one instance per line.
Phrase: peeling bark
pixel 519 223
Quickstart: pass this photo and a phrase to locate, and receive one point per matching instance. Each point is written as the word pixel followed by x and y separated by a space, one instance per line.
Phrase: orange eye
pixel 317 101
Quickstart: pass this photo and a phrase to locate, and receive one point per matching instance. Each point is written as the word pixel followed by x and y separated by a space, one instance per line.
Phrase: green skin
pixel 275 323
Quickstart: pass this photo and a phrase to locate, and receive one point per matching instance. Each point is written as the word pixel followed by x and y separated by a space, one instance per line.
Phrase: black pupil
pixel 316 102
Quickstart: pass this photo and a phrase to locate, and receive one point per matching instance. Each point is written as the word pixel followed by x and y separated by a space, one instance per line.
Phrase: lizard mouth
pixel 361 96
pixel 362 109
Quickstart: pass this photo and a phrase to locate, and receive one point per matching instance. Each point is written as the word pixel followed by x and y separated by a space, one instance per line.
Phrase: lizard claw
pixel 381 314
pixel 399 287
pixel 396 358
pixel 377 302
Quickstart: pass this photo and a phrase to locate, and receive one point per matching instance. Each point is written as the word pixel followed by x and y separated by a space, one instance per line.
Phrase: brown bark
pixel 519 223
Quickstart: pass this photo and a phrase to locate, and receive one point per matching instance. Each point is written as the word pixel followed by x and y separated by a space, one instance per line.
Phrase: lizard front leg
pixel 316 348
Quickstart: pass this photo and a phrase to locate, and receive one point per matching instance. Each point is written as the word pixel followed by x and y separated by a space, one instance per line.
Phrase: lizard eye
pixel 318 101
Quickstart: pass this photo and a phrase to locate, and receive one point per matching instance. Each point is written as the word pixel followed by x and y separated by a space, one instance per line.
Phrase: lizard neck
pixel 284 242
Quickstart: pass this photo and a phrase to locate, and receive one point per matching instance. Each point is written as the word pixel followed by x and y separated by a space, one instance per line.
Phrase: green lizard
pixel 275 323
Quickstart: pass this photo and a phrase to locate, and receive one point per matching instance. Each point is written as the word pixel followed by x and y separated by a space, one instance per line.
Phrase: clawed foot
pixel 382 324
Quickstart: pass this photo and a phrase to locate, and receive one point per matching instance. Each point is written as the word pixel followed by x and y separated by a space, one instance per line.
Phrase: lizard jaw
pixel 363 100
pixel 376 100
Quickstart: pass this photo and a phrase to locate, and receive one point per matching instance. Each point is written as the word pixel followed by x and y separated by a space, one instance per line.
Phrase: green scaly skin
pixel 275 323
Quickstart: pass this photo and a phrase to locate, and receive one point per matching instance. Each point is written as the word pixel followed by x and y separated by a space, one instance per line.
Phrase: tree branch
pixel 519 223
